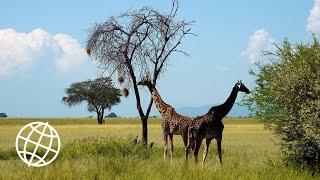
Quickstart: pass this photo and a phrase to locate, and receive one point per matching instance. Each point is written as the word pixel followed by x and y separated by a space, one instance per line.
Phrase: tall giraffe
pixel 173 123
pixel 210 126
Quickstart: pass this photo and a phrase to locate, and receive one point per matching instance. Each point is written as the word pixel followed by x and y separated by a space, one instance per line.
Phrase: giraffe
pixel 173 123
pixel 210 126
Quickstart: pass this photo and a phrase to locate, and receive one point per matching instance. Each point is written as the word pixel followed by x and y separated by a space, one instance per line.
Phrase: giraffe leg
pixel 171 145
pixel 186 144
pixel 205 152
pixel 219 149
pixel 189 138
pixel 165 137
pixel 185 139
pixel 165 148
pixel 187 153
pixel 165 133
pixel 196 150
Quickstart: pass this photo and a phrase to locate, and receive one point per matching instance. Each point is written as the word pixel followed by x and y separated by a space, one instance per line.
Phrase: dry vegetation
pixel 94 151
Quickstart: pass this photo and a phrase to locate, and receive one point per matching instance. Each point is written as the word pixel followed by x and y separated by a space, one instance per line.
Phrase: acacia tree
pixel 100 94
pixel 138 44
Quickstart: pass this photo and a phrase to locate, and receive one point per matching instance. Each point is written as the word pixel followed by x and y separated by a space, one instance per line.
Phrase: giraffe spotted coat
pixel 173 123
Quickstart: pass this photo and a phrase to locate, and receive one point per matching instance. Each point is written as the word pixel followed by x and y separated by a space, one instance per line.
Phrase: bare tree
pixel 138 44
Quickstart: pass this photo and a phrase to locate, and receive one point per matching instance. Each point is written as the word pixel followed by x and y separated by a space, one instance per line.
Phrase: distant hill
pixel 236 111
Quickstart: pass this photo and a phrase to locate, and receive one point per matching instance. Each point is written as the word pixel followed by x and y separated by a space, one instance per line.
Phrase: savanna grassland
pixel 91 151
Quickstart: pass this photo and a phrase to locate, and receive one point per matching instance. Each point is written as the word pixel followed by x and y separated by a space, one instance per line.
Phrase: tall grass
pixel 105 158
pixel 107 152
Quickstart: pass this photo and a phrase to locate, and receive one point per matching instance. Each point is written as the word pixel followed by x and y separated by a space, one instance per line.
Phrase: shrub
pixel 287 99
pixel 112 115
pixel 3 115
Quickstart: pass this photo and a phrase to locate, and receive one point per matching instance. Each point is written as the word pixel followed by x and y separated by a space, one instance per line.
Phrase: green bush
pixel 287 99
pixel 3 115
pixel 112 115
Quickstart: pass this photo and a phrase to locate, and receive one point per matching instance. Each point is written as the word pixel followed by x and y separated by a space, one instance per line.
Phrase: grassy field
pixel 90 151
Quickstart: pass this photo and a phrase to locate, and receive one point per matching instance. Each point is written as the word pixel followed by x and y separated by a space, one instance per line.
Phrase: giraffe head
pixel 241 87
pixel 145 82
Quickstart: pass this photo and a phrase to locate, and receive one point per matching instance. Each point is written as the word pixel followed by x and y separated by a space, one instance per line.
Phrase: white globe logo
pixel 38 144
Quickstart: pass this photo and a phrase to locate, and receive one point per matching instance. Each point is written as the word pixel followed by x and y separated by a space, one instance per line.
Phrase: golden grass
pixel 248 152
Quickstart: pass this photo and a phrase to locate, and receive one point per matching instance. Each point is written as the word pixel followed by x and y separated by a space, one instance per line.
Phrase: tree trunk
pixel 144 121
pixel 143 117
pixel 102 116
pixel 99 115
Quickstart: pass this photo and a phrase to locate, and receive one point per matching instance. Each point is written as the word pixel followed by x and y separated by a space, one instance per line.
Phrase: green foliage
pixel 100 94
pixel 287 99
pixel 3 115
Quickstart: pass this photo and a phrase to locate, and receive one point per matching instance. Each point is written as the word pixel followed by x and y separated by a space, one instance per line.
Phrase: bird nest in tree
pixel 88 52
pixel 125 92
pixel 120 79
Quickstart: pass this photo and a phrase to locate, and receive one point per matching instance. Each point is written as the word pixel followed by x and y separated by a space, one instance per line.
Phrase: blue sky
pixel 41 49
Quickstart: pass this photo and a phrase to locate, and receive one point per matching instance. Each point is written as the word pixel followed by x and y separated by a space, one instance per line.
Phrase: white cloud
pixel 20 50
pixel 314 17
pixel 260 41
pixel 73 55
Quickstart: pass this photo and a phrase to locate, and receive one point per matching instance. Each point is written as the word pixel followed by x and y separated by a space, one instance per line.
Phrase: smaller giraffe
pixel 173 123
pixel 210 126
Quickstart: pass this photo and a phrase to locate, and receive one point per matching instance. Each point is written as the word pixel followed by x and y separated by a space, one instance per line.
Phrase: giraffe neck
pixel 160 104
pixel 225 108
